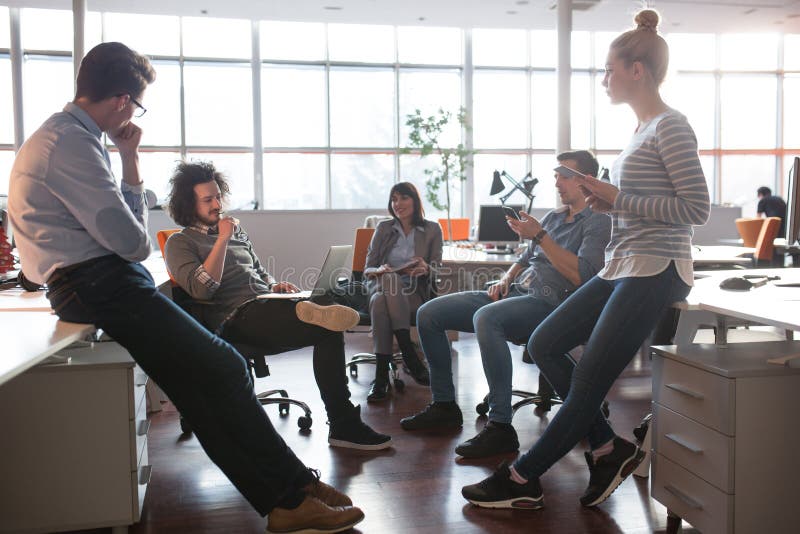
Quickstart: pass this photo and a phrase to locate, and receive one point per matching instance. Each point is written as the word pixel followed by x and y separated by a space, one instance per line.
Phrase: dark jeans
pixel 204 376
pixel 613 318
pixel 273 325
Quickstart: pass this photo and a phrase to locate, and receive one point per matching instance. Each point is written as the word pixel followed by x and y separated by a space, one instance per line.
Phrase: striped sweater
pixel 663 193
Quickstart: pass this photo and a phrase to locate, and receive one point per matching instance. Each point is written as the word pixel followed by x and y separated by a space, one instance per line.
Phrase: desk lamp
pixel 526 187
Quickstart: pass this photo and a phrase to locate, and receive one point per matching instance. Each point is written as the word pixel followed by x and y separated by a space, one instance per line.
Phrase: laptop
pixel 332 268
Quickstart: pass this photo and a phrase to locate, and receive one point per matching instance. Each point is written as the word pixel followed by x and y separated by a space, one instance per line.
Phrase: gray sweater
pixel 243 276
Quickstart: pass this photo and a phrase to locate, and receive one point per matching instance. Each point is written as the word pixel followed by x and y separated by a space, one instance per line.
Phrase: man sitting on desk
pixel 84 234
pixel 566 249
pixel 213 260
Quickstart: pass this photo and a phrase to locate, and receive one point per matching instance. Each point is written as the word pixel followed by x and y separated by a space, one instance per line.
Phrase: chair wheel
pixel 544 404
pixel 605 409
pixel 186 428
pixel 304 422
pixel 399 385
pixel 354 370
pixel 482 408
pixel 283 408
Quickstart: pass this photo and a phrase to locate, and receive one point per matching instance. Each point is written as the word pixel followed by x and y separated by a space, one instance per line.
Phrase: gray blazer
pixel 427 245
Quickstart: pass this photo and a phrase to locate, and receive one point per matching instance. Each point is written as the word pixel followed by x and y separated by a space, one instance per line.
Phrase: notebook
pixel 332 268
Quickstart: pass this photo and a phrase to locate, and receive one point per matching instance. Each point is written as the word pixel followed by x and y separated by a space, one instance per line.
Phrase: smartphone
pixel 567 172
pixel 510 212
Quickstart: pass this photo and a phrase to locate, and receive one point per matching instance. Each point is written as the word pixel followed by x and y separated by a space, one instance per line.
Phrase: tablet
pixel 567 172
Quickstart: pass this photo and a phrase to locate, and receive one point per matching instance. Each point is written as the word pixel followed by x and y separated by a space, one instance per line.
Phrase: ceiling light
pixel 332 8
pixel 511 12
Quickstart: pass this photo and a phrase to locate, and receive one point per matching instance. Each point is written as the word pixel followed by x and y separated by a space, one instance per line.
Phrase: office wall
pixel 291 242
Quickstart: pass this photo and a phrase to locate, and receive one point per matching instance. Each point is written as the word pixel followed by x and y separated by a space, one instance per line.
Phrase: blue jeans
pixel 512 318
pixel 204 376
pixel 613 318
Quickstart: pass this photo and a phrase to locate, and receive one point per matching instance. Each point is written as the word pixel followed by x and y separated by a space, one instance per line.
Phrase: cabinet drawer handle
pixel 685 498
pixel 686 391
pixel 144 426
pixel 144 474
pixel 683 443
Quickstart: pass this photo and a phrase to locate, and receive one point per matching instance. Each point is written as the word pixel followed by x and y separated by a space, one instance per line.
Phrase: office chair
pixel 765 248
pixel 543 399
pixel 255 356
pixel 460 229
pixel 749 228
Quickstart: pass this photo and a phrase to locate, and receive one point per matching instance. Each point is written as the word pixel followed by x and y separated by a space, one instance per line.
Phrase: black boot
pixel 413 365
pixel 380 386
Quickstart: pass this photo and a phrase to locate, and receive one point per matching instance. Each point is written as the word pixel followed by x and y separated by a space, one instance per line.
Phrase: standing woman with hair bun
pixel 658 192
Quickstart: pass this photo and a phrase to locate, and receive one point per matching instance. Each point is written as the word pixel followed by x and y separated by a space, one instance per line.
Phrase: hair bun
pixel 647 19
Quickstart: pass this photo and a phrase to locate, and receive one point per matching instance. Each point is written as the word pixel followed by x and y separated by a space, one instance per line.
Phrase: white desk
pixel 708 255
pixel 716 408
pixel 29 338
pixel 767 304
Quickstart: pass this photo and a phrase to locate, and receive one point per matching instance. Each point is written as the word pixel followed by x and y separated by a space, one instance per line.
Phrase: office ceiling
pixel 605 15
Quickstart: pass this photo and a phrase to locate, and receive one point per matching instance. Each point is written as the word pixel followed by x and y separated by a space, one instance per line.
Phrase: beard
pixel 211 219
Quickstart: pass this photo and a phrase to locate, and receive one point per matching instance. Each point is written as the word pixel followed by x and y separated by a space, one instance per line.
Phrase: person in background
pixel 657 193
pixel 84 235
pixel 213 260
pixel 770 205
pixel 400 269
pixel 566 250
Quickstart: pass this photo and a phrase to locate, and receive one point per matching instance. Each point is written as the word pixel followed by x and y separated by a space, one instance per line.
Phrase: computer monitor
pixel 492 225
pixel 793 204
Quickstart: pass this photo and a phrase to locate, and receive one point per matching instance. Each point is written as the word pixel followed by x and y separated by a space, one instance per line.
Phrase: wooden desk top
pixel 28 338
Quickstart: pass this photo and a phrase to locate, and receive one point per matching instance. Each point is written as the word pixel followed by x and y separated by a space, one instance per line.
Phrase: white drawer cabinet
pixel 74 444
pixel 726 437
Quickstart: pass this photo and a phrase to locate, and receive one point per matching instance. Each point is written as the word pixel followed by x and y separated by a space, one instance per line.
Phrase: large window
pixel 320 122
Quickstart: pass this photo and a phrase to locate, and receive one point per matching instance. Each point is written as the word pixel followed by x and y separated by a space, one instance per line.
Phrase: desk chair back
pixel 765 248
pixel 748 229
pixel 360 248
pixel 460 229
pixel 162 236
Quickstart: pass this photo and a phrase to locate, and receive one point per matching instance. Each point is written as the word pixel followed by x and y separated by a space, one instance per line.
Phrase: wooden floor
pixel 416 485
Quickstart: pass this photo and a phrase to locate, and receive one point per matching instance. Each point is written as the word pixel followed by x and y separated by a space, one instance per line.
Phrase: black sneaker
pixel 352 433
pixel 495 438
pixel 435 416
pixel 610 470
pixel 499 491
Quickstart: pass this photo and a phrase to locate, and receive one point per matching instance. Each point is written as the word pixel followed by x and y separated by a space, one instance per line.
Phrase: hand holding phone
pixel 510 212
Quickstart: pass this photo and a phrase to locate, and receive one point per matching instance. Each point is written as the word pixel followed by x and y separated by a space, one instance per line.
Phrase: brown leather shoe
pixel 326 493
pixel 313 516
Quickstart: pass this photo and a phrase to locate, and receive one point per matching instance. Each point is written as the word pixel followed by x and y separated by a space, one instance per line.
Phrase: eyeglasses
pixel 141 110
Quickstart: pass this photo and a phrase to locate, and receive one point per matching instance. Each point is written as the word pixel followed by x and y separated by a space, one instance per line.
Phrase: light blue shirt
pixel 64 202
pixel 403 249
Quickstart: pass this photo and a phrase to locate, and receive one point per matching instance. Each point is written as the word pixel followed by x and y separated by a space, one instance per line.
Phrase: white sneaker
pixel 334 317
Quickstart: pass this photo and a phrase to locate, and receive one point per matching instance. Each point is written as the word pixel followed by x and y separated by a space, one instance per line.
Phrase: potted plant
pixel 425 136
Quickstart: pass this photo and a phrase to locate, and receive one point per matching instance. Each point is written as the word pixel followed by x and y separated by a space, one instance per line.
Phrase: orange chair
pixel 460 229
pixel 749 229
pixel 765 248
pixel 360 248
pixel 255 356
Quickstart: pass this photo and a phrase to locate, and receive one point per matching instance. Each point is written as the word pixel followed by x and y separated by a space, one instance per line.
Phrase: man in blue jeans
pixel 566 249
pixel 84 235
